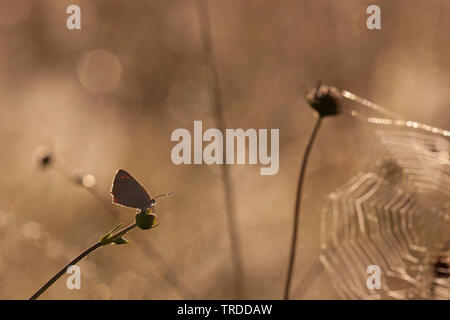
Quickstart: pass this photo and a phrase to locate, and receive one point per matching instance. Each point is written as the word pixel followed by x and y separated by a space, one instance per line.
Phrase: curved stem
pixel 144 245
pixel 122 232
pixel 79 258
pixel 216 100
pixel 298 203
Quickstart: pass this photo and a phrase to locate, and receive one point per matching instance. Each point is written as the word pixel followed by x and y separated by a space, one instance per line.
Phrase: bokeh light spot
pixel 88 180
pixel 99 71
pixel 31 230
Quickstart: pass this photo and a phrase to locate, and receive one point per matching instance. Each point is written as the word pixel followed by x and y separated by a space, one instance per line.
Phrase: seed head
pixel 43 157
pixel 325 100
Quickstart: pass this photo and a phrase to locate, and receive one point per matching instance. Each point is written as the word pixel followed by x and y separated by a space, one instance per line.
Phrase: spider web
pixel 395 216
pixel 423 158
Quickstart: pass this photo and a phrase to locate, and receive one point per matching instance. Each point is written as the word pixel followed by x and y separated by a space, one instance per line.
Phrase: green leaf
pixel 106 237
pixel 121 241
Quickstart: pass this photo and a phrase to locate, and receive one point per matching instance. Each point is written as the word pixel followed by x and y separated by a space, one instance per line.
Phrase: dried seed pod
pixel 43 157
pixel 325 100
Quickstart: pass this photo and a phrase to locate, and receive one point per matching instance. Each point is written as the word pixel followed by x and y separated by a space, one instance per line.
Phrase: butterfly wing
pixel 127 192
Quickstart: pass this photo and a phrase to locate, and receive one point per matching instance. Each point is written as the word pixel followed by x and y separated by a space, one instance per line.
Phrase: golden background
pixel 109 95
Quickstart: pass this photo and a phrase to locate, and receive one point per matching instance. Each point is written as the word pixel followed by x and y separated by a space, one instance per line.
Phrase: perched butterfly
pixel 128 192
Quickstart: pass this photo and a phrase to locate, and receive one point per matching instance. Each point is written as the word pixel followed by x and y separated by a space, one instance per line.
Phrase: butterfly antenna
pixel 164 194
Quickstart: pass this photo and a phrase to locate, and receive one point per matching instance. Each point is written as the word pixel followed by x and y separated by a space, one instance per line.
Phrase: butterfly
pixel 128 192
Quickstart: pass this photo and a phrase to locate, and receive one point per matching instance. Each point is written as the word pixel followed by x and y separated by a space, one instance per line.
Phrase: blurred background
pixel 108 96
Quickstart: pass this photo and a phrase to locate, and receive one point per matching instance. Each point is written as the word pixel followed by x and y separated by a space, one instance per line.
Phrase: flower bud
pixel 146 220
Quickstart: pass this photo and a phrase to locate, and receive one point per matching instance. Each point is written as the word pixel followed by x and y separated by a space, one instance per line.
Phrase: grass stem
pixel 216 97
pixel 298 203
pixel 79 258
pixel 144 245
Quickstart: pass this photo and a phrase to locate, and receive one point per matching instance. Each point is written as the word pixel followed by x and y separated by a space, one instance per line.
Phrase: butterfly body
pixel 128 192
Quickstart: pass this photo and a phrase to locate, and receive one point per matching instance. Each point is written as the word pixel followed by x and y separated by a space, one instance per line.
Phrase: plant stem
pixel 298 203
pixel 79 258
pixel 144 245
pixel 216 101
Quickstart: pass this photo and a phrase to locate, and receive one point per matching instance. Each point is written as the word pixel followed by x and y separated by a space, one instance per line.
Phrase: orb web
pixel 395 216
